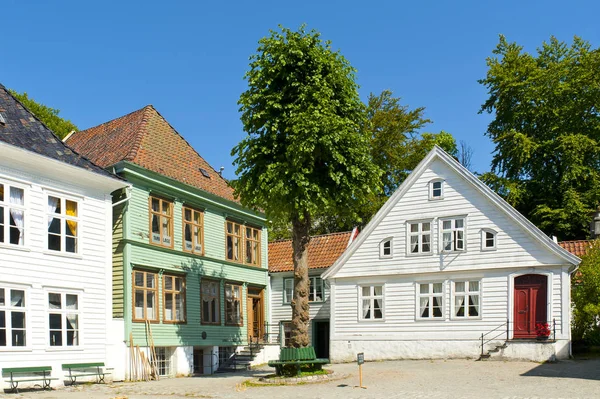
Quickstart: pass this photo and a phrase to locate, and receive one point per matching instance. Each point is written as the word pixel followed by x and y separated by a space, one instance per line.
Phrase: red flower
pixel 542 329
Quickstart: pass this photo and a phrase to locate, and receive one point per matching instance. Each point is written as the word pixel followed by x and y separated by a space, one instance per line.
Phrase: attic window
pixel 204 173
pixel 2 120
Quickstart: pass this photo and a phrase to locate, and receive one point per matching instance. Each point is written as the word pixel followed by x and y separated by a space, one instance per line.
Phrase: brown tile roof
pixel 577 248
pixel 145 138
pixel 323 251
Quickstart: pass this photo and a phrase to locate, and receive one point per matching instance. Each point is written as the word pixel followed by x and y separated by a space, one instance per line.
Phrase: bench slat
pixel 26 369
pixel 81 365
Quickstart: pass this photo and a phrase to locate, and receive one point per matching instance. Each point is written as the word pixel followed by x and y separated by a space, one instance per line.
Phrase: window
pixel 12 318
pixel 210 302
pixel 12 214
pixel 431 300
pixel 252 246
pixel 488 240
pixel 63 224
pixel 193 232
pixel 233 304
pixel 385 248
pixel 315 291
pixel 436 189
pixel 371 302
pixel 453 234
pixel 161 222
pixel 63 319
pixel 173 298
pixel 466 299
pixel 145 296
pixel 419 235
pixel 163 360
pixel 286 327
pixel 234 239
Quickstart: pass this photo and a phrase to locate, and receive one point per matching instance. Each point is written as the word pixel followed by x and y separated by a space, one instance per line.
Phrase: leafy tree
pixel 586 297
pixel 546 130
pixel 49 116
pixel 305 154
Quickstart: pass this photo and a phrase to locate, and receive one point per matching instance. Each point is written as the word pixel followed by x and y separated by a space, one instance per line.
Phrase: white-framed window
pixel 385 248
pixel 453 234
pixel 370 302
pixel 63 319
pixel 286 330
pixel 436 189
pixel 431 300
pixel 63 224
pixel 488 240
pixel 419 237
pixel 466 300
pixel 12 214
pixel 315 290
pixel 13 320
pixel 163 360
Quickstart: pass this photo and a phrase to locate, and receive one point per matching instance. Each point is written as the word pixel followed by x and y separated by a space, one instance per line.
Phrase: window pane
pixel 72 338
pixel 1 192
pixel 71 208
pixel 150 280
pixel 168 306
pixel 187 214
pixel 18 319
pixel 459 306
pixel 414 244
pixel 155 205
pixel 459 286
pixel 459 223
pixel 473 286
pixel 447 238
pixel 424 307
pixel 55 338
pixel 71 302
pixel 2 298
pixel 168 282
pixel 366 308
pixel 18 338
pixel 55 321
pixel 447 224
pixel 437 288
pixel 71 244
pixel 139 304
pixel 17 298
pixel 378 290
pixel 424 288
pixel 139 279
pixel 426 240
pixel 54 301
pixel 426 226
pixel 437 185
pixel 414 227
pixel 366 291
pixel 54 205
pixel 150 308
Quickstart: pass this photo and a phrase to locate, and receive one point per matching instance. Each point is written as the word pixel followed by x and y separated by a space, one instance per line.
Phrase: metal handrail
pixel 507 324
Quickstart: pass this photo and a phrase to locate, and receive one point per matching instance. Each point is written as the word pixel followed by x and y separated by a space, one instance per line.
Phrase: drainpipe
pixel 127 197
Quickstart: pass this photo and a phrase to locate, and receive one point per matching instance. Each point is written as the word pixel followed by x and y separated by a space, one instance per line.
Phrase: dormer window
pixel 436 189
pixel 385 248
pixel 488 240
pixel 2 120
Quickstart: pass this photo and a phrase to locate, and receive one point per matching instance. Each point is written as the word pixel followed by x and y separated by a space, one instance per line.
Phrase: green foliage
pixel 586 297
pixel 305 154
pixel 49 116
pixel 546 132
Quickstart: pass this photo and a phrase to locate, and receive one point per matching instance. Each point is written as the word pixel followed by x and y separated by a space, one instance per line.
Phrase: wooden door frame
pixel 511 296
pixel 250 299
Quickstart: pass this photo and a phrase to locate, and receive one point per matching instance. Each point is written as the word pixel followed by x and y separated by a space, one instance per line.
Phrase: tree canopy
pixel 546 131
pixel 305 154
pixel 586 297
pixel 49 116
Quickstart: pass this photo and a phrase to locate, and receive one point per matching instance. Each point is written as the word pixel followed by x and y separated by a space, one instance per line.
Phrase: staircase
pixel 495 348
pixel 240 360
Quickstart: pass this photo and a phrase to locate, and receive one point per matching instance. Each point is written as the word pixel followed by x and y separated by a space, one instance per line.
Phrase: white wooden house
pixel 323 250
pixel 444 263
pixel 55 247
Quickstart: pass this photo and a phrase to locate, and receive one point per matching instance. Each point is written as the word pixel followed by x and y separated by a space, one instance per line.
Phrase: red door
pixel 530 304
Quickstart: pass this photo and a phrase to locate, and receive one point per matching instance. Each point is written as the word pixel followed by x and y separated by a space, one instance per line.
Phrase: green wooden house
pixel 189 262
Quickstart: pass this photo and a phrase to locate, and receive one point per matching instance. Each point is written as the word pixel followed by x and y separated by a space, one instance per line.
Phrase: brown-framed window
pixel 161 222
pixel 145 296
pixel 233 304
pixel 211 293
pixel 193 230
pixel 233 232
pixel 173 299
pixel 252 246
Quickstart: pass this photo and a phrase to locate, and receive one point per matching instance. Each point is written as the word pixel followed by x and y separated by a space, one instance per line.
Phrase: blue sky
pixel 96 61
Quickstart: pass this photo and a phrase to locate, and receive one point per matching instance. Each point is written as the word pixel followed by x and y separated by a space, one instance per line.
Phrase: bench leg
pixel 73 379
pixel 47 384
pixel 14 386
pixel 101 378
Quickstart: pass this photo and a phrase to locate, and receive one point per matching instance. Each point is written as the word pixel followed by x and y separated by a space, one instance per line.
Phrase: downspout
pixel 571 273
pixel 127 197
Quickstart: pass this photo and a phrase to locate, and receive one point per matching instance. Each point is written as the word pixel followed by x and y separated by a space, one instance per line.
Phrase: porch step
pixel 495 349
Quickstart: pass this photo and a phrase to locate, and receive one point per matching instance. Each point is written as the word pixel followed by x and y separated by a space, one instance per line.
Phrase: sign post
pixel 360 357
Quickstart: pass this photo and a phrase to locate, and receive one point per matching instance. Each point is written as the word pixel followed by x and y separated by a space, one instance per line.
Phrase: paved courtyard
pixel 394 379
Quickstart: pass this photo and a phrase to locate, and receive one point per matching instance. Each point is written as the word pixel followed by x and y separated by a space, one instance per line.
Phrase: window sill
pixel 488 249
pixel 143 321
pixel 453 252
pixel 15 247
pixel 64 254
pixel 233 325
pixel 174 322
pixel 15 349
pixel 436 198
pixel 411 254
pixel 206 323
pixel 382 320
pixel 64 348
pixel 427 319
pixel 457 318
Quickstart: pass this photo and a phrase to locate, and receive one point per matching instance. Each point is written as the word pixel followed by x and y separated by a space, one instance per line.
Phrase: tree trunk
pixel 300 315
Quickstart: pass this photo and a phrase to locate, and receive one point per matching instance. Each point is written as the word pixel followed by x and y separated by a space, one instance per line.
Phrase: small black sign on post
pixel 360 358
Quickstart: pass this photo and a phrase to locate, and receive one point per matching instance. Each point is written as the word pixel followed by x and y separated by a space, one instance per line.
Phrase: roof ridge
pixel 140 132
pixel 317 235
pixel 590 240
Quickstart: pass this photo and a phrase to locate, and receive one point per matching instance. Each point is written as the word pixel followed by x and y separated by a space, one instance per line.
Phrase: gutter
pixel 127 196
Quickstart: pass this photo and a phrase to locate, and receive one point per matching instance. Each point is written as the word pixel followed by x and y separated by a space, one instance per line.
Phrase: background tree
pixel 305 154
pixel 546 129
pixel 586 297
pixel 49 116
pixel 465 154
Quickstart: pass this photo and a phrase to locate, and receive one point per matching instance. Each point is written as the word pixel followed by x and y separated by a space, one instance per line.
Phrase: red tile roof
pixel 145 138
pixel 323 251
pixel 577 248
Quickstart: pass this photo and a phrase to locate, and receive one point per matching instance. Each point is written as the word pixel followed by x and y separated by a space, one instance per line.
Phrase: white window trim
pixel 25 207
pixel 466 293
pixel 287 301
pixel 382 255
pixel 63 198
pixel 409 234
pixel 431 197
pixel 453 229
pixel 360 300
pixel 418 296
pixel 27 309
pixel 483 240
pixel 63 292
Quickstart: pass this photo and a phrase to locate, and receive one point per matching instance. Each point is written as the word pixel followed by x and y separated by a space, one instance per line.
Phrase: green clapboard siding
pixel 143 255
pixel 117 260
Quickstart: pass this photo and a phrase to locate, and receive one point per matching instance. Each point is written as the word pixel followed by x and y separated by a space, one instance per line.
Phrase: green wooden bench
pixel 28 374
pixel 85 370
pixel 296 357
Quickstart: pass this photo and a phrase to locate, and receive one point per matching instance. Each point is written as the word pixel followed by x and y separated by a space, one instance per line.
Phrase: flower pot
pixel 542 338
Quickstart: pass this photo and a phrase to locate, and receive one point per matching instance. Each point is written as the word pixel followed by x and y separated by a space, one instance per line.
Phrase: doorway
pixel 321 338
pixel 255 310
pixel 198 361
pixel 530 304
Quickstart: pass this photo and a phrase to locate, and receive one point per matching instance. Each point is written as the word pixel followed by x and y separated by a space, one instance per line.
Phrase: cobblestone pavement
pixel 393 379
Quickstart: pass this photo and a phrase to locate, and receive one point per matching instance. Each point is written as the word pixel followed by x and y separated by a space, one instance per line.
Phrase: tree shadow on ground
pixel 581 369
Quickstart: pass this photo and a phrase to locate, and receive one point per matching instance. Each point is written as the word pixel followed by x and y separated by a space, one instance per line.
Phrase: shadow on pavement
pixel 581 369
